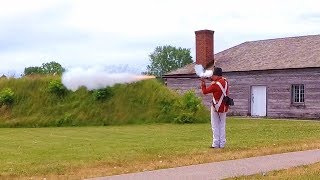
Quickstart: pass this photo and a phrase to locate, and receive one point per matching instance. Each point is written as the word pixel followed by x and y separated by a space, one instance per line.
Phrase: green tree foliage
pixel 167 58
pixel 46 68
pixel 52 67
pixel 32 70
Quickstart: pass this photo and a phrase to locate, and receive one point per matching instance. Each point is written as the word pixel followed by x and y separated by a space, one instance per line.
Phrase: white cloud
pixel 16 8
pixel 99 32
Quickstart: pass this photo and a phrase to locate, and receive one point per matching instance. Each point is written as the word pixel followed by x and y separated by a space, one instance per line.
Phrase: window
pixel 298 93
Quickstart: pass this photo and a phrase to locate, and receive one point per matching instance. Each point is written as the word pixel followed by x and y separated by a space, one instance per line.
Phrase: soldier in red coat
pixel 219 89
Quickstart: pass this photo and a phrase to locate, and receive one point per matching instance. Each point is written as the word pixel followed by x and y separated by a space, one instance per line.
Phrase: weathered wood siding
pixel 278 83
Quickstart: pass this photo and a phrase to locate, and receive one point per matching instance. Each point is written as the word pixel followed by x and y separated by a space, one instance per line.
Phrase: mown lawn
pixel 80 152
pixel 301 172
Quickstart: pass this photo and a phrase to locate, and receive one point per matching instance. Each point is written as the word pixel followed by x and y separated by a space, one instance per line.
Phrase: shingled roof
pixel 281 53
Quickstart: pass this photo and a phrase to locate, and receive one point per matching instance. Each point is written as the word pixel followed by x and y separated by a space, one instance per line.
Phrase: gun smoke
pixel 94 78
pixel 201 72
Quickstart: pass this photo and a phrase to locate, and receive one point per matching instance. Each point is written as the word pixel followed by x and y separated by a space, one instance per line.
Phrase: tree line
pixel 162 60
pixel 46 68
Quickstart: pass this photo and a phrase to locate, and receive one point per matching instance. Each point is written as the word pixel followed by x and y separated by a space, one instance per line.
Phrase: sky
pixel 99 33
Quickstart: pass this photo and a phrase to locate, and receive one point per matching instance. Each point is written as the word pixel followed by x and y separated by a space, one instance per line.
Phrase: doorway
pixel 258 101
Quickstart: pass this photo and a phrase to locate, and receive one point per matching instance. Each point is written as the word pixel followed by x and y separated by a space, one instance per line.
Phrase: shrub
pixel 190 102
pixel 188 105
pixel 56 87
pixel 103 94
pixel 6 97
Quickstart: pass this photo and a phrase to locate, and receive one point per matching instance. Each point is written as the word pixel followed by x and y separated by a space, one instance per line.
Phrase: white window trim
pixel 299 88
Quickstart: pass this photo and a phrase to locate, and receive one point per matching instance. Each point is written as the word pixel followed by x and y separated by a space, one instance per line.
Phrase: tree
pixel 52 68
pixel 167 58
pixel 46 68
pixel 32 70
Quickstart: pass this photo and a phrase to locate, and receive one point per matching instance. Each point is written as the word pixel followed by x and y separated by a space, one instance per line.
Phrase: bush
pixel 190 102
pixel 6 97
pixel 56 87
pixel 103 94
pixel 188 105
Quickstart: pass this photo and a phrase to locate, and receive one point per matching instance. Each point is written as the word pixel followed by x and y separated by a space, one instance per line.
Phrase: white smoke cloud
pixel 201 72
pixel 97 78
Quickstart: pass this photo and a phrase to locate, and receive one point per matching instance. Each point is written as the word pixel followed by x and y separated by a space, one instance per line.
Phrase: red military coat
pixel 217 92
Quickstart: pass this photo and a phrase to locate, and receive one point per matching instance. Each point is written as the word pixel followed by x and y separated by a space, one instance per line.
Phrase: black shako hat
pixel 217 71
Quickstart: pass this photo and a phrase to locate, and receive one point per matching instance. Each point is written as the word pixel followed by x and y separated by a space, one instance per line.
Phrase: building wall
pixel 278 83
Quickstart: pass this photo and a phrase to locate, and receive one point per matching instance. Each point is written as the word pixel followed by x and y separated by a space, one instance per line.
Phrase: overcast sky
pixel 85 33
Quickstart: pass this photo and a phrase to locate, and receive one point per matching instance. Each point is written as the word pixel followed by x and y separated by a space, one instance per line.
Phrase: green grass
pixel 302 172
pixel 79 152
pixel 137 103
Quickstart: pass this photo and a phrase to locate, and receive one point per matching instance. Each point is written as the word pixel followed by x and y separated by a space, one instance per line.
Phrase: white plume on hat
pixel 201 72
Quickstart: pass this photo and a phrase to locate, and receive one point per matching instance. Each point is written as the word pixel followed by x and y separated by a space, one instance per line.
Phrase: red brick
pixel 204 47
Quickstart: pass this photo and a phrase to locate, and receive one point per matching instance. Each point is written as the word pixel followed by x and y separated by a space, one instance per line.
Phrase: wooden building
pixel 274 77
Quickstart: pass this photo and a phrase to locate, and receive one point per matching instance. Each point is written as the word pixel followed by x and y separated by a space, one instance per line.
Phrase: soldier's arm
pixel 212 88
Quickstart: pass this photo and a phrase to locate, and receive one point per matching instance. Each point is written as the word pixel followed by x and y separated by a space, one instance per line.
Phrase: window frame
pixel 300 94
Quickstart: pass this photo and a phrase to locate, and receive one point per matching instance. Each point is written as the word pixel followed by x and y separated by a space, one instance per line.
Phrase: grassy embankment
pixel 138 103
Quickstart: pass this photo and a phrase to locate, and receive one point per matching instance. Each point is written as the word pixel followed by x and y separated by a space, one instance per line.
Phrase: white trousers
pixel 218 125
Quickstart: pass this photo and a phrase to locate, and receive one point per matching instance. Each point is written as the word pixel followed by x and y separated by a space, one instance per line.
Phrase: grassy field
pixel 78 152
pixel 303 172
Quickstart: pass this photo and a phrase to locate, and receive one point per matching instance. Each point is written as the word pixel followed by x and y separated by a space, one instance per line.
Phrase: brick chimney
pixel 204 47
